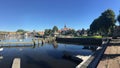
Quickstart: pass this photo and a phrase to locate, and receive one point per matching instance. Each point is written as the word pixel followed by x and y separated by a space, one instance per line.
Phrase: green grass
pixel 98 37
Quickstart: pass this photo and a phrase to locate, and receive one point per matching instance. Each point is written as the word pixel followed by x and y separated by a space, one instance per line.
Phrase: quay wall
pixel 87 41
pixel 93 60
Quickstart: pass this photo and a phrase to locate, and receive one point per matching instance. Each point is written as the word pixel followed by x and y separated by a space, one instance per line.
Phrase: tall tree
pixel 95 26
pixel 107 21
pixel 104 23
pixel 118 18
pixel 55 28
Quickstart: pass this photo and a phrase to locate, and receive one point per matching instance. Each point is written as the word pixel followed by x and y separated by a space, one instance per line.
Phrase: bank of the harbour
pixel 106 56
pixel 92 41
pixel 92 60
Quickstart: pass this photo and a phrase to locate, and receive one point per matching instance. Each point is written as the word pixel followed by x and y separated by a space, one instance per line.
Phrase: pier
pixel 111 56
pixel 8 43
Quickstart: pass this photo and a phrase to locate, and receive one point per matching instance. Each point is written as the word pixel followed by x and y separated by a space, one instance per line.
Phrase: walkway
pixel 3 43
pixel 111 56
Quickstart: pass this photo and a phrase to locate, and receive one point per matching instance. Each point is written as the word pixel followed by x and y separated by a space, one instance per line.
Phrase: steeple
pixel 65 26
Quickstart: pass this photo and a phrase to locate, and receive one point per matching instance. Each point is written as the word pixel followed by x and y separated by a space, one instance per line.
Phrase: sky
pixel 44 14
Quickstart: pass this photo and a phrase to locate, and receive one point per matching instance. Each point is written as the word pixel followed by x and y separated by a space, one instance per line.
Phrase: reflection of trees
pixel 93 48
pixel 55 44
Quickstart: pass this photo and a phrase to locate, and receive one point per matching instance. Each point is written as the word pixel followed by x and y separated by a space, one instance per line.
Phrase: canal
pixel 42 56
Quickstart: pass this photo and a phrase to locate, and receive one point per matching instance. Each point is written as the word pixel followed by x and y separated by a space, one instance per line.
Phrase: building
pixel 82 32
pixel 117 31
pixel 41 33
pixel 65 30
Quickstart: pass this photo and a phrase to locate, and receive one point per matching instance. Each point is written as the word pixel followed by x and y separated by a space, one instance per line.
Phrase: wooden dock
pixel 8 43
pixel 111 56
pixel 17 44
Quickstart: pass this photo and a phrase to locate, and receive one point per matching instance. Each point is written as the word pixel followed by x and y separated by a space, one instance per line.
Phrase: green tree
pixel 48 32
pixel 104 23
pixel 55 28
pixel 70 32
pixel 107 21
pixel 95 26
pixel 20 30
pixel 118 18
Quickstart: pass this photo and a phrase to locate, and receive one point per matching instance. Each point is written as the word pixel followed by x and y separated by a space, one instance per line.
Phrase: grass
pixel 98 37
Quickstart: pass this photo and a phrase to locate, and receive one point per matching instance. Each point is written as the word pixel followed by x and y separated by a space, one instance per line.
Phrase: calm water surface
pixel 42 56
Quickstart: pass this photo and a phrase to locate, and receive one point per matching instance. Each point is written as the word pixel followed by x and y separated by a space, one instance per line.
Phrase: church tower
pixel 65 26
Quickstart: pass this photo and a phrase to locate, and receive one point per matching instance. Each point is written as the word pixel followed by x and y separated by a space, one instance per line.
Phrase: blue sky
pixel 43 14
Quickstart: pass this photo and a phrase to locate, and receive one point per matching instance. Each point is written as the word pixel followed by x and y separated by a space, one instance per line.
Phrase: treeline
pixel 50 31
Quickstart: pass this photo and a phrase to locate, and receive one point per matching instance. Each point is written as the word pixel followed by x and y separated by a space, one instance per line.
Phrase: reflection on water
pixel 55 44
pixel 42 56
pixel 1 57
pixel 1 49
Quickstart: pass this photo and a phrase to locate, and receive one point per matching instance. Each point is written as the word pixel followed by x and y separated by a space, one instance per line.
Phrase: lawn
pixel 98 37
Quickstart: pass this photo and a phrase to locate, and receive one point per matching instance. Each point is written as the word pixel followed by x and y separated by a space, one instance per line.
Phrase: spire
pixel 65 26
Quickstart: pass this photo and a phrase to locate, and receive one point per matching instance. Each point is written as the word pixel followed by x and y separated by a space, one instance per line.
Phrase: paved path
pixel 111 57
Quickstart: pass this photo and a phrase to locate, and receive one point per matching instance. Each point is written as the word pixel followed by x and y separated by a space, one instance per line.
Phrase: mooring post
pixel 38 41
pixel 33 42
pixel 42 42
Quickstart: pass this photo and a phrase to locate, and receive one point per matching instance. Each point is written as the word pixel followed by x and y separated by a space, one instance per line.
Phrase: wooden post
pixel 42 42
pixel 33 42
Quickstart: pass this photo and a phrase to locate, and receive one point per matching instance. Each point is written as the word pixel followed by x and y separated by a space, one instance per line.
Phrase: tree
pixel 70 32
pixel 104 23
pixel 55 28
pixel 95 26
pixel 118 18
pixel 20 30
pixel 107 21
pixel 48 32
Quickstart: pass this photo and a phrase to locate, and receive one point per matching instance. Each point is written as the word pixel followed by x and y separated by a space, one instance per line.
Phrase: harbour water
pixel 43 56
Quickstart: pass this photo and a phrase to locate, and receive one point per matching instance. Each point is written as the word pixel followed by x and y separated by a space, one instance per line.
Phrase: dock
pixel 8 43
pixel 111 56
pixel 16 63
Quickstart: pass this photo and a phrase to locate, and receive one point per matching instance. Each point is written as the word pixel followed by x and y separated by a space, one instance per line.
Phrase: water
pixel 42 56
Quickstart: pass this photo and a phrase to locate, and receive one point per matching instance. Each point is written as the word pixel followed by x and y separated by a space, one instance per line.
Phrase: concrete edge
pixel 93 59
